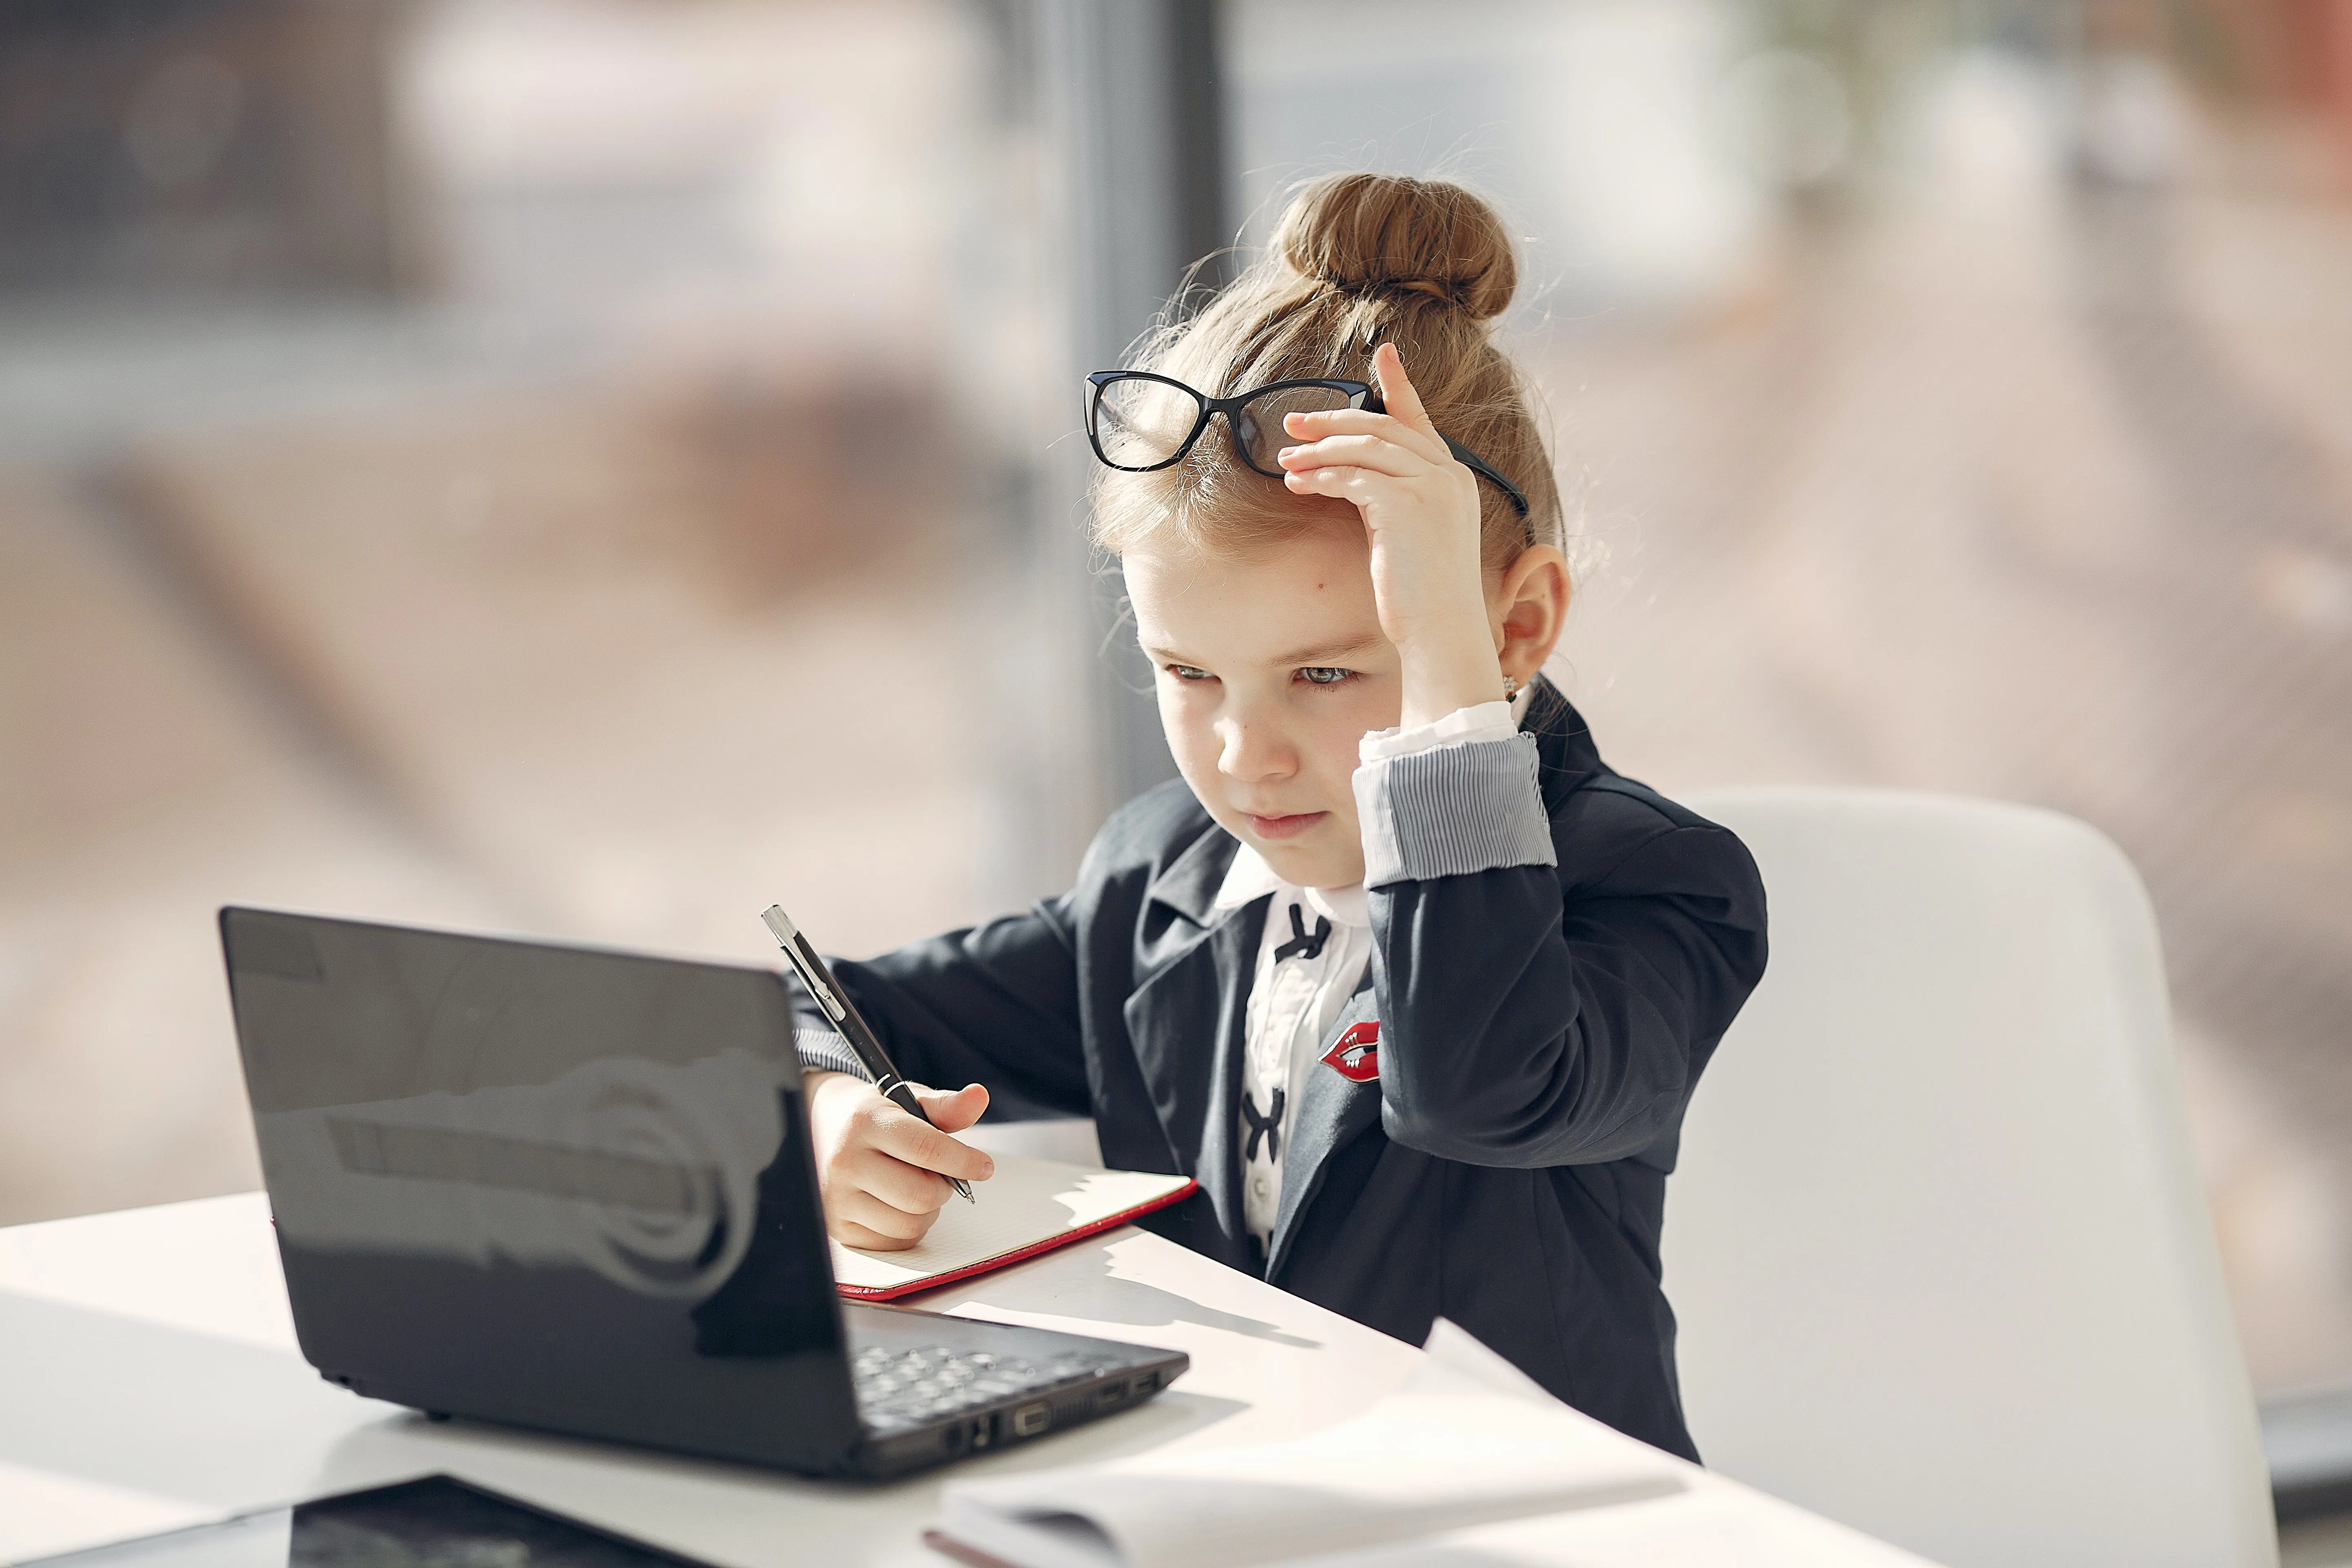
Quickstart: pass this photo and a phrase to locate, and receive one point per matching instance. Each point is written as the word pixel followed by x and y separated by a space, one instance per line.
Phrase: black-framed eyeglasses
pixel 1140 422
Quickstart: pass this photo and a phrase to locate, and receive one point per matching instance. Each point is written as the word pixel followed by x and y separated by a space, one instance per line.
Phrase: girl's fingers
pixel 897 1183
pixel 920 1143
pixel 1345 483
pixel 894 1226
pixel 1358 452
pixel 850 1233
pixel 951 1112
pixel 1396 391
pixel 1361 422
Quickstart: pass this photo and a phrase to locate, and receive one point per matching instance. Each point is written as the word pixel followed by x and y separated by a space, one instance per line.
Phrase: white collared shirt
pixel 1296 996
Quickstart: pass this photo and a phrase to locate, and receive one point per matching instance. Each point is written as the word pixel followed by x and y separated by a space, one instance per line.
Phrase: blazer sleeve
pixel 996 1005
pixel 1548 991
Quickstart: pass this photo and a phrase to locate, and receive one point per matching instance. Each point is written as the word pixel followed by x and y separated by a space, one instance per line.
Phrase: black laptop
pixel 573 1189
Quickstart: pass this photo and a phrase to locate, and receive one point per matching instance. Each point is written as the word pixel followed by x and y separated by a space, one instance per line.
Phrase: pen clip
pixel 788 936
pixel 817 988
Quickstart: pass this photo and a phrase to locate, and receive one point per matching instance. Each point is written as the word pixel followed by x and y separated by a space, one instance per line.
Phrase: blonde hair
pixel 1357 260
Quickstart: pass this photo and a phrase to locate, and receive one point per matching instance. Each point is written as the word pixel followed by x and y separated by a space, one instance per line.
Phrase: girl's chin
pixel 1312 859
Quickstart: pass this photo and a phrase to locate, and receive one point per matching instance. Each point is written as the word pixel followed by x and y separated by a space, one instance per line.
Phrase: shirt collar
pixel 1345 906
pixel 1250 878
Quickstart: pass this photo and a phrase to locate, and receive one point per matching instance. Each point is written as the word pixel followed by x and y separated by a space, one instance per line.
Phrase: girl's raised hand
pixel 1420 513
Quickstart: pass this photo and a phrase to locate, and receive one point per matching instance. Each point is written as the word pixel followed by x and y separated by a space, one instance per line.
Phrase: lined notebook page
pixel 1028 1205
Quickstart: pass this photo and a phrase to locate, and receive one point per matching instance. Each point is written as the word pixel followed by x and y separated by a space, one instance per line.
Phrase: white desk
pixel 149 1378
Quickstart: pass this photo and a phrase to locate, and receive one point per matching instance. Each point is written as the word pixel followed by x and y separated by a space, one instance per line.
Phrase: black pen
pixel 844 1013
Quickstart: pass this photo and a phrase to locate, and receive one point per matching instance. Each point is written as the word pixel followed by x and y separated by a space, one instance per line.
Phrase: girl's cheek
pixel 1341 748
pixel 1191 734
pixel 1180 701
pixel 1377 706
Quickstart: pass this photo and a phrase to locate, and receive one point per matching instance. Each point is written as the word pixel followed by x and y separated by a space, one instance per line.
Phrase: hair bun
pixel 1391 232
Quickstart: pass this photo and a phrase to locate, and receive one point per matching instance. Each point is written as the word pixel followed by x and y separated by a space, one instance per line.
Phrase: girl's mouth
pixel 1284 827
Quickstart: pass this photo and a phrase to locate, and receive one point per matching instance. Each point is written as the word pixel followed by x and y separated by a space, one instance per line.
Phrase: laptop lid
pixel 544 1184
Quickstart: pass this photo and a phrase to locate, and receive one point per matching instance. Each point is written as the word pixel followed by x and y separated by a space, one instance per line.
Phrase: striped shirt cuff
pixel 1455 811
pixel 821 1050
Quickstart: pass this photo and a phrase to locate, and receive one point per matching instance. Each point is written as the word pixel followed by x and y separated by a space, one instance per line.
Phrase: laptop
pixel 573 1189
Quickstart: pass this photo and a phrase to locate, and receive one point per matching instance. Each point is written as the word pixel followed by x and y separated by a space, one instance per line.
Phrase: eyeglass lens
pixel 1141 424
pixel 1257 424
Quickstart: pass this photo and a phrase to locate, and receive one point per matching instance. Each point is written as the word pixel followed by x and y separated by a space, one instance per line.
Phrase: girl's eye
pixel 1325 675
pixel 1187 672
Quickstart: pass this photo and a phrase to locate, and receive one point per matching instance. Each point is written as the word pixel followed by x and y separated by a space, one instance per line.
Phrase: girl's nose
pixel 1254 752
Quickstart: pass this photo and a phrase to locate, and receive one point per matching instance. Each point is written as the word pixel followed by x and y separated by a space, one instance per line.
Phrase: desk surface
pixel 152 1379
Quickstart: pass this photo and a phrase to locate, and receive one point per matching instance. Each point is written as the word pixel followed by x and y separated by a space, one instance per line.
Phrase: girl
pixel 1400 971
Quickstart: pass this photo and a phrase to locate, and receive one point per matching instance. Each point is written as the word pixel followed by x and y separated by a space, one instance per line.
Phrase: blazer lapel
pixel 1332 1113
pixel 1185 1023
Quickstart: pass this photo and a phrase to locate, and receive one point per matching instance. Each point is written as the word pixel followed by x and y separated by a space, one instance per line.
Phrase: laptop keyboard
pixel 899 1388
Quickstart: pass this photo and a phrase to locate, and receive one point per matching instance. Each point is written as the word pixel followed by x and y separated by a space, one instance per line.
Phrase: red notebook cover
pixel 1029 1207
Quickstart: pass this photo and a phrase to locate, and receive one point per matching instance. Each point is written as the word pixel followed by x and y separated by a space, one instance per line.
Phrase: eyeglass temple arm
pixel 1486 471
pixel 1466 457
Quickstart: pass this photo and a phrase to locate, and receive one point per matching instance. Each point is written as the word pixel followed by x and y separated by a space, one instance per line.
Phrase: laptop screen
pixel 541 1183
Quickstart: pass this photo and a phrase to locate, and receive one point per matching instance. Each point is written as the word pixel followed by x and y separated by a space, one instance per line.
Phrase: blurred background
pixel 597 467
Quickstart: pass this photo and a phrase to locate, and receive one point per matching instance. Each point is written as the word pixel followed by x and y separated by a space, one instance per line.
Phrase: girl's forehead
pixel 1313 590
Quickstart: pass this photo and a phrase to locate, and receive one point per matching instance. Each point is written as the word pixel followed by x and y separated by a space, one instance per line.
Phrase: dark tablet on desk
pixel 436 1522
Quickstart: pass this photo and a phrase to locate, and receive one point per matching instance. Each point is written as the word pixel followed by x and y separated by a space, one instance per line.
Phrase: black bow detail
pixel 1268 1127
pixel 1300 943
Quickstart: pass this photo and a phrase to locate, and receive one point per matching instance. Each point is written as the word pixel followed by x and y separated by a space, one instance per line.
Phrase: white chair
pixel 1942 1263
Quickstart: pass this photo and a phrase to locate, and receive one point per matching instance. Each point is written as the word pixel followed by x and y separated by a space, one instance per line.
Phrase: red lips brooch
pixel 1356 1056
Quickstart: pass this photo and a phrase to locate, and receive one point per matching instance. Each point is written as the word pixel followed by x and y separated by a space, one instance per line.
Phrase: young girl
pixel 1400 972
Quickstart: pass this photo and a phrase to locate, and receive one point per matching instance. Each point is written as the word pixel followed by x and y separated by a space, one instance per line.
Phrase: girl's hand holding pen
pixel 883 1172
pixel 890 1087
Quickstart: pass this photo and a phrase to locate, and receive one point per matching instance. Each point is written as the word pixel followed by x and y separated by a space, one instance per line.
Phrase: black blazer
pixel 1541 1029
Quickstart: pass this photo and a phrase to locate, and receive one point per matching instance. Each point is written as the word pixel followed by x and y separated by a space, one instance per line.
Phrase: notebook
pixel 1468 1442
pixel 1029 1206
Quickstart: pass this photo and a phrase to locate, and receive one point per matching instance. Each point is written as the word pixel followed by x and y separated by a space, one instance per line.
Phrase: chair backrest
pixel 1942 1263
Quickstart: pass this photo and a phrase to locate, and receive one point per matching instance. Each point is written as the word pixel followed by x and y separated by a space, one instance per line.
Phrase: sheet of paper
pixel 1707 1527
pixel 1446 1452
pixel 43 1512
pixel 1458 1351
pixel 1026 1201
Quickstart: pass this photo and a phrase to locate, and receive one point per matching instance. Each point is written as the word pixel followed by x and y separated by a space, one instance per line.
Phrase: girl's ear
pixel 1529 610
